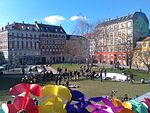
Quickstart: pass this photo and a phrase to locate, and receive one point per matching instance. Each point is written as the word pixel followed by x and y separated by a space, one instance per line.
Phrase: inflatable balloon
pixel 81 104
pixel 34 89
pixel 54 99
pixel 127 107
pixel 138 107
pixel 1 111
pixel 24 102
pixel 59 99
pixel 147 102
pixel 16 106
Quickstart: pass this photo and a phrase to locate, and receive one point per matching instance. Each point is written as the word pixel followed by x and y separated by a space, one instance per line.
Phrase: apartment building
pixel 22 43
pixel 117 37
pixel 92 43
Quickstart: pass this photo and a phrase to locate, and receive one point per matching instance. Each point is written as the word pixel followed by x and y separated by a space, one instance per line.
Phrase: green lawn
pixel 5 85
pixel 72 67
pixel 97 88
pixel 90 87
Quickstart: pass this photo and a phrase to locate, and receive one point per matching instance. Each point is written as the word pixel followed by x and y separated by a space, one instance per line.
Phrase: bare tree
pixel 71 50
pixel 75 48
pixel 84 28
pixel 143 57
pixel 135 60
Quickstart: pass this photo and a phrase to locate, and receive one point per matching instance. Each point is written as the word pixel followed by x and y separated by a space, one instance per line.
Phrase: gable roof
pixel 19 26
pixel 147 38
pixel 121 19
pixel 50 28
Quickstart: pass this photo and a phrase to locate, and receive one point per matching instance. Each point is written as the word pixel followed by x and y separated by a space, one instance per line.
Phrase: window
pixel 61 30
pixel 116 27
pixel 115 34
pixel 123 33
pixel 144 44
pixel 129 32
pixel 28 28
pixel 120 26
pixel 129 24
pixel 119 34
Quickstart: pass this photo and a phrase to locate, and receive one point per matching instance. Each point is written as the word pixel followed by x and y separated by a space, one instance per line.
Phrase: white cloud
pixel 75 17
pixel 56 19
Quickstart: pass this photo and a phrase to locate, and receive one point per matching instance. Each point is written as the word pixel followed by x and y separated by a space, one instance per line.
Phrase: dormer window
pixel 22 27
pixel 28 28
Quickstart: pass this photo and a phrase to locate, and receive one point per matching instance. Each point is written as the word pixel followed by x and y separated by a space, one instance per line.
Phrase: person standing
pixel 105 73
pixel 92 75
pixel 131 78
pixel 23 71
pixel 101 77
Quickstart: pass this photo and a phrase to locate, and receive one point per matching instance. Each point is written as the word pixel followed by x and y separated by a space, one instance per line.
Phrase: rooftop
pixel 50 28
pixel 34 27
pixel 121 19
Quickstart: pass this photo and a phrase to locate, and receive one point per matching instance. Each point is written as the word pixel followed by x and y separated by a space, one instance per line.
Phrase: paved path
pixel 51 69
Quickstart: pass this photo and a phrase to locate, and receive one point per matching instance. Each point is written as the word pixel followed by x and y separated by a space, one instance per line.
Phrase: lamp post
pixel 129 63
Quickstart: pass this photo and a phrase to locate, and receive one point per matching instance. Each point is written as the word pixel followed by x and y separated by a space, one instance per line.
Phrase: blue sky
pixel 67 12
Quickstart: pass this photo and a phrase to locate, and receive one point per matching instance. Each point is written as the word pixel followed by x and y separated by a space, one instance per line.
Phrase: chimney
pixel 7 23
pixel 23 22
pixel 36 22
pixel 140 10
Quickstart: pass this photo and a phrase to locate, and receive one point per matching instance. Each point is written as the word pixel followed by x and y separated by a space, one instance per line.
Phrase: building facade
pixel 92 43
pixel 116 38
pixel 22 43
pixel 76 49
pixel 52 42
pixel 142 53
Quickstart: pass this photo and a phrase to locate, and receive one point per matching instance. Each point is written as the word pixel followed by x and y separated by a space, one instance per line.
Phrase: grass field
pixel 97 88
pixel 5 85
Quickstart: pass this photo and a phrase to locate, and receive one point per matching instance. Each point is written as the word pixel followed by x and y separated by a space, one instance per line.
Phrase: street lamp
pixel 129 53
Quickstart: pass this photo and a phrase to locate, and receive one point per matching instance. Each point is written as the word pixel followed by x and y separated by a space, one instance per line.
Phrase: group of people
pixel 99 75
pixel 34 76
pixel 66 75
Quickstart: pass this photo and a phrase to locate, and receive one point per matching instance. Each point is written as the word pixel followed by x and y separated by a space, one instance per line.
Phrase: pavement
pixel 51 69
